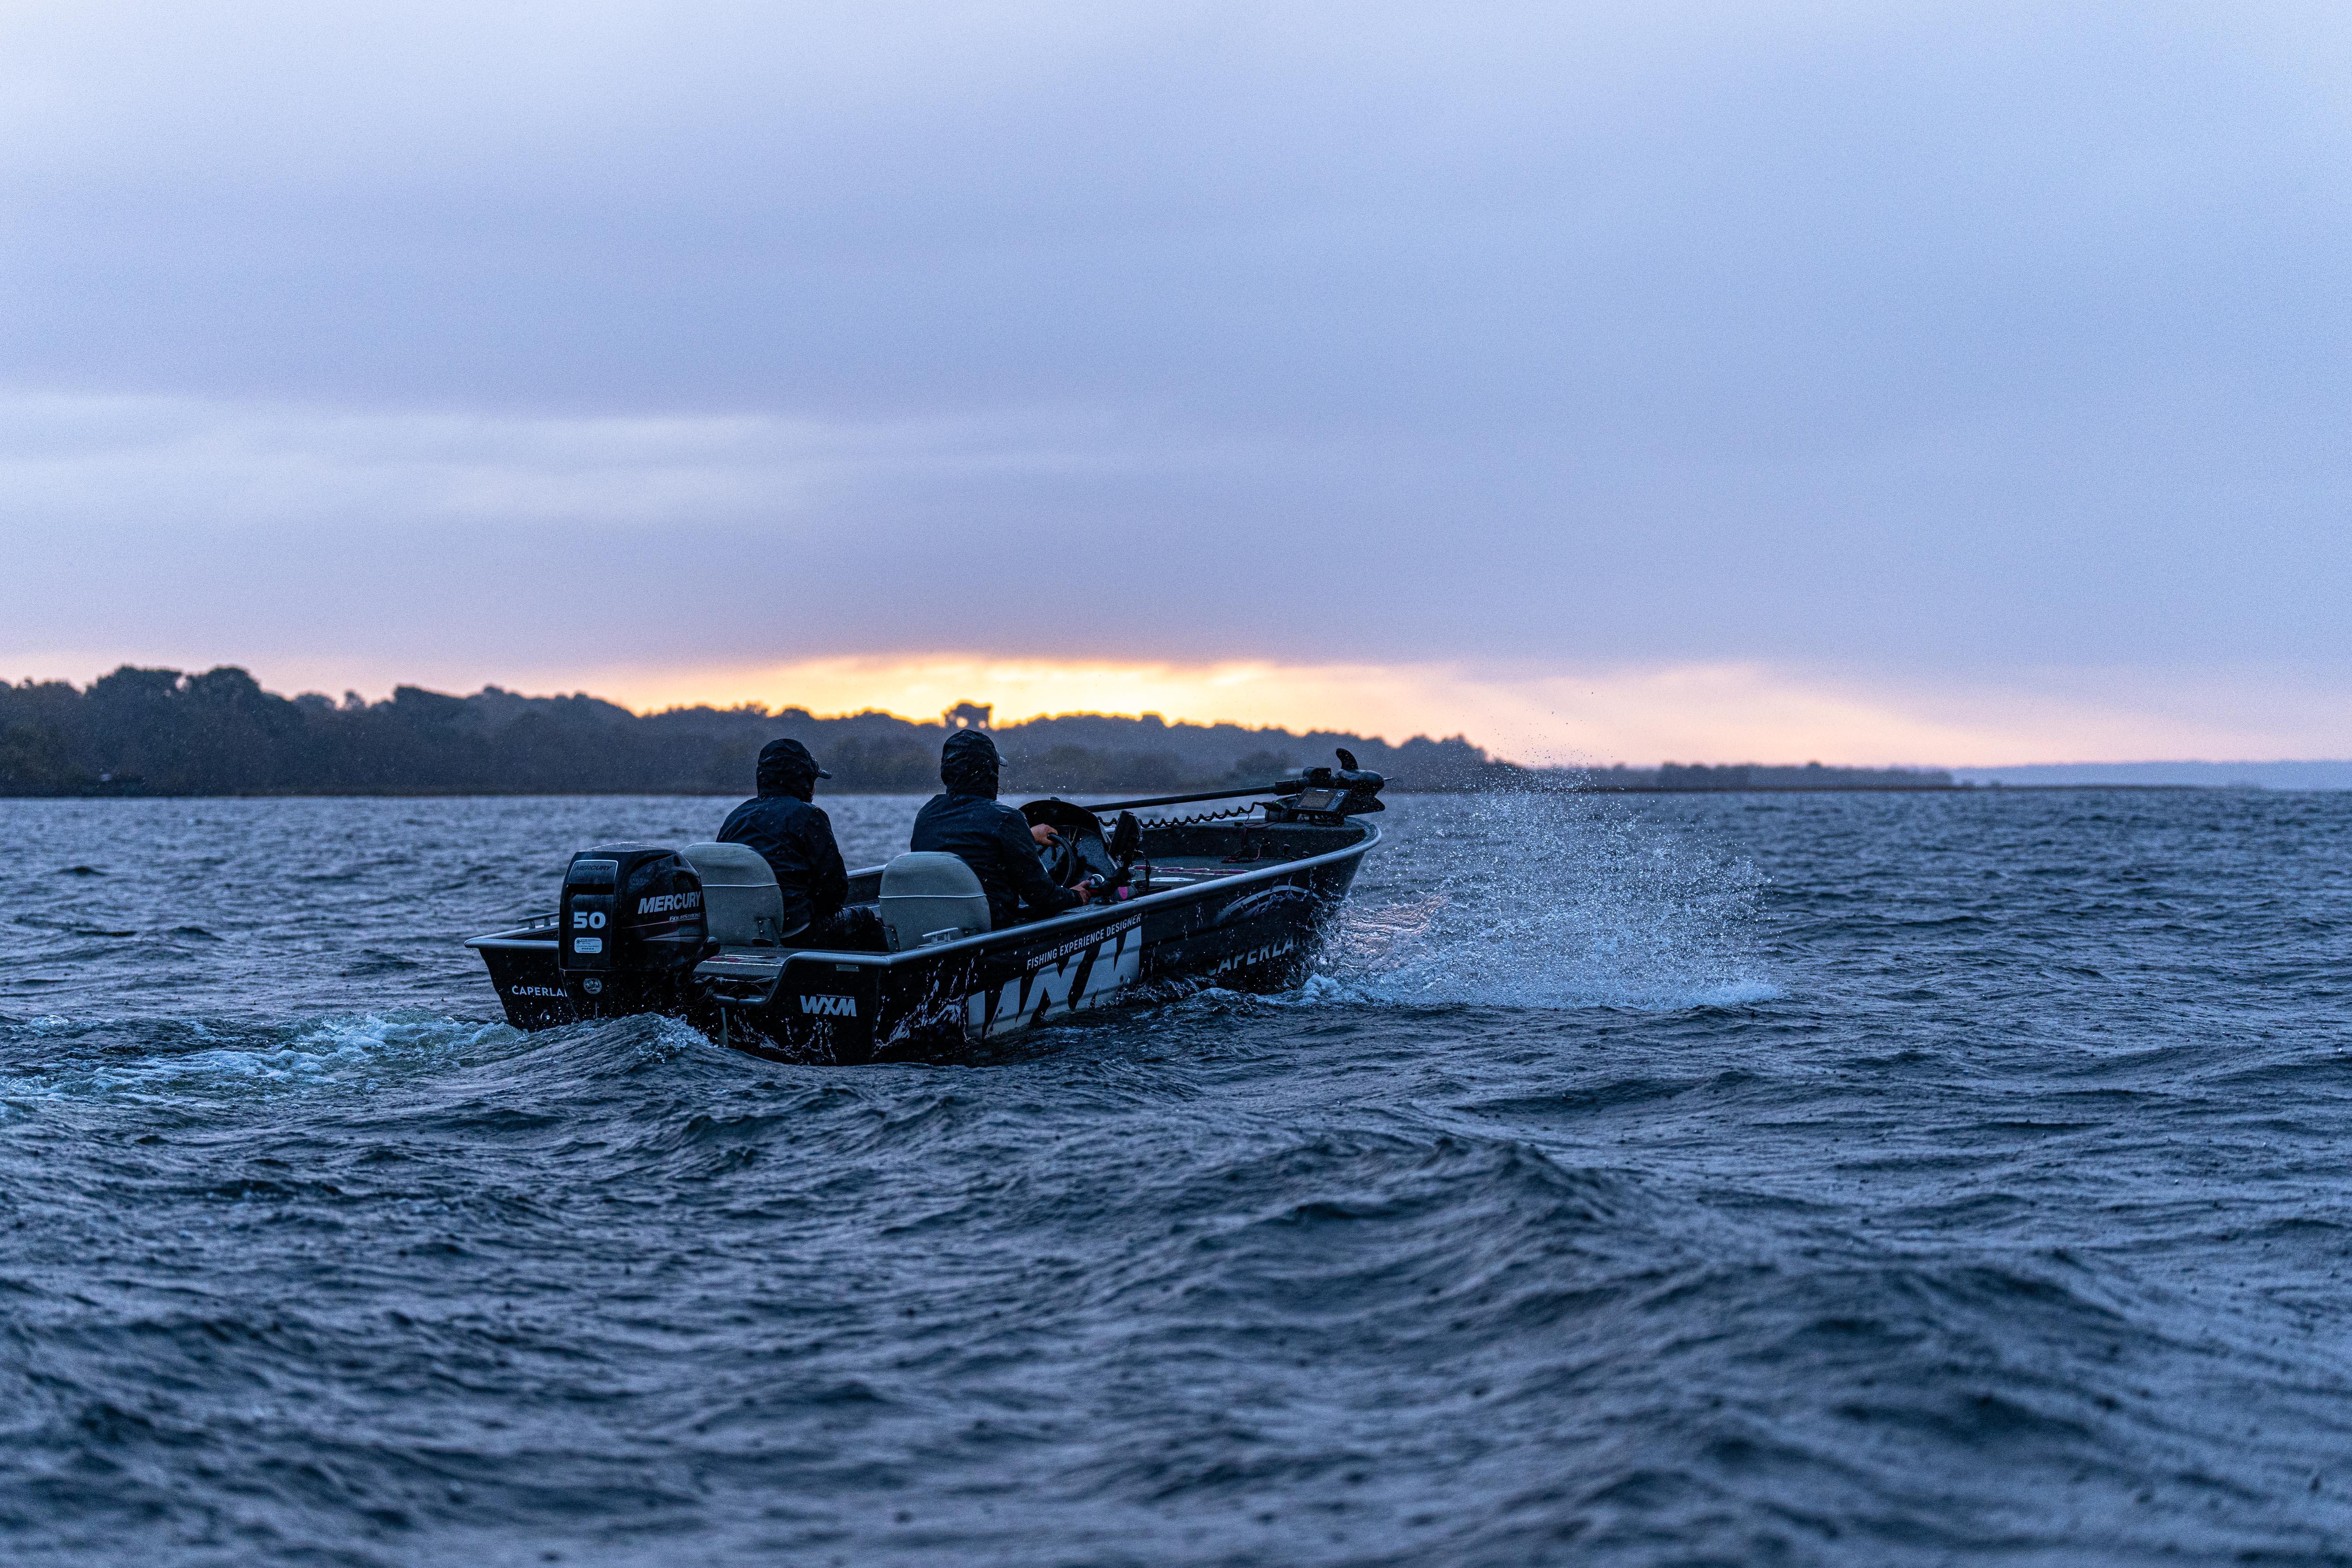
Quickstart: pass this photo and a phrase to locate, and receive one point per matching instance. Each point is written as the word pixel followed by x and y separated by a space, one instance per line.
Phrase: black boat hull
pixel 1246 925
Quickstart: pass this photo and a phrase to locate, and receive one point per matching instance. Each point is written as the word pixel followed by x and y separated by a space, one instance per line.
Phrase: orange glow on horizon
pixel 1712 712
pixel 1723 713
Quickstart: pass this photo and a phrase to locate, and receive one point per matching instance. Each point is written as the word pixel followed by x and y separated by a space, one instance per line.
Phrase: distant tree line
pixel 1679 777
pixel 163 732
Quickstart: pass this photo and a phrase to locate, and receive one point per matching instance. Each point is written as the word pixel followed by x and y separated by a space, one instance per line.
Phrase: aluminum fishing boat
pixel 1238 897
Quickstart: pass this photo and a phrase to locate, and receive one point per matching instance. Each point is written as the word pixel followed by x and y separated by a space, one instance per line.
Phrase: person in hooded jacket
pixel 993 838
pixel 795 839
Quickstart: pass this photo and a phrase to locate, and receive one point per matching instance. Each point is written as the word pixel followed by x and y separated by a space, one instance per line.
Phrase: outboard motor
pixel 1329 796
pixel 632 916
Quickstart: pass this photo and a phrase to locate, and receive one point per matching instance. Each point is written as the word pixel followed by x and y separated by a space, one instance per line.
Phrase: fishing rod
pixel 1348 782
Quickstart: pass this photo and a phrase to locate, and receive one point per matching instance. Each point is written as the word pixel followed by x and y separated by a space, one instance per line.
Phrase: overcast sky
pixel 1974 375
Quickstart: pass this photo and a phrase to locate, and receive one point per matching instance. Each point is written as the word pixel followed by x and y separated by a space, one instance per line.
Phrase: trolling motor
pixel 1329 796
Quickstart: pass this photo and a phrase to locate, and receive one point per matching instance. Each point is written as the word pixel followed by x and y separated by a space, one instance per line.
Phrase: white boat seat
pixel 741 900
pixel 928 897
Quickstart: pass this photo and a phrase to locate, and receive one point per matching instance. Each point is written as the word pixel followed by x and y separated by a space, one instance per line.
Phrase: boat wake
pixel 64 1058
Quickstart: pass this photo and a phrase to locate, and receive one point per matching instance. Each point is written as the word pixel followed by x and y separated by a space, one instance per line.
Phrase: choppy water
pixel 1846 1179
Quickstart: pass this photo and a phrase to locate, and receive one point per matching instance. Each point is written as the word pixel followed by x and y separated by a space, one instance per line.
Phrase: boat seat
pixel 741 900
pixel 929 899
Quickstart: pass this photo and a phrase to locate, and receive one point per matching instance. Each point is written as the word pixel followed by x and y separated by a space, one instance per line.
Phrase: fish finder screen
pixel 1317 799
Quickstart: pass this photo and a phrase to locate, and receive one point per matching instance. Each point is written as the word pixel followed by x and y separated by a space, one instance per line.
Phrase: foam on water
pixel 200 1059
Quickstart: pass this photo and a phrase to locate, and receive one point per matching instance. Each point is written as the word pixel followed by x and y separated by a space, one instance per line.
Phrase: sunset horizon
pixel 1637 717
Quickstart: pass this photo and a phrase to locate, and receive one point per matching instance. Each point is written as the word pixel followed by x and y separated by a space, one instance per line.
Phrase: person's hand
pixel 1086 894
pixel 1045 833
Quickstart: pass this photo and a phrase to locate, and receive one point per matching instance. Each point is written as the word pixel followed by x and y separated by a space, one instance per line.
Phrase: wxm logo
pixel 1086 978
pixel 830 1007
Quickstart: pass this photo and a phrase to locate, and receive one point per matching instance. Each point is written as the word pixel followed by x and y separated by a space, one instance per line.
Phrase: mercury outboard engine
pixel 1329 796
pixel 632 923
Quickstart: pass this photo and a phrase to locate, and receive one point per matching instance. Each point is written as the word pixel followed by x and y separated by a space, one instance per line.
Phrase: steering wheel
pixel 1061 862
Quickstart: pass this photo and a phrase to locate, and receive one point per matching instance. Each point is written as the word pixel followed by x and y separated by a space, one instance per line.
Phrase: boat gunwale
pixel 1012 936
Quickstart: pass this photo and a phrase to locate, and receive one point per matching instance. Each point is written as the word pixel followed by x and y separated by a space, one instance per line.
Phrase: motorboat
pixel 1239 896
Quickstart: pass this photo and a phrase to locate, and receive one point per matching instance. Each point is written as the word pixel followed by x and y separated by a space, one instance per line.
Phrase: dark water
pixel 1855 1180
